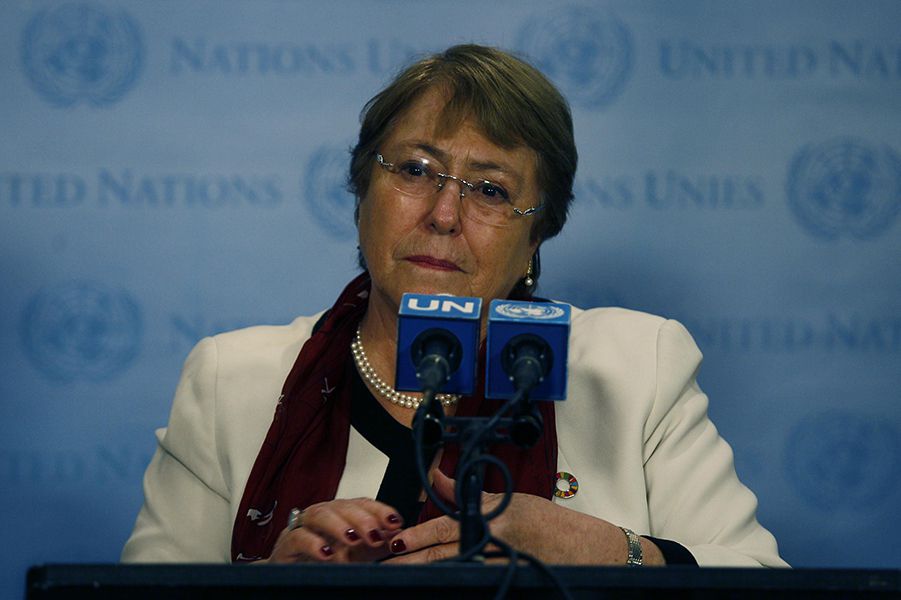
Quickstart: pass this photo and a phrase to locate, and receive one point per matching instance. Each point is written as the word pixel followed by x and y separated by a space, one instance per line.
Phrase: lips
pixel 430 262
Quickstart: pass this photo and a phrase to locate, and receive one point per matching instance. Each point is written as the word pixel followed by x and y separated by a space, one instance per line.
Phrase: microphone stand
pixel 528 363
pixel 472 476
pixel 527 360
pixel 474 435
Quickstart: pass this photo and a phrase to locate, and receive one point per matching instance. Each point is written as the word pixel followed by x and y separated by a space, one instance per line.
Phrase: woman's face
pixel 427 245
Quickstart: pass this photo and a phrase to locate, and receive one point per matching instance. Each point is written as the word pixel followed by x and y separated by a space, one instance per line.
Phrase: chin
pixel 437 282
pixel 434 289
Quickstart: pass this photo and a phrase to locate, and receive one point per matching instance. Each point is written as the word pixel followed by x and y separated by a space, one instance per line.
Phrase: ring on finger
pixel 295 519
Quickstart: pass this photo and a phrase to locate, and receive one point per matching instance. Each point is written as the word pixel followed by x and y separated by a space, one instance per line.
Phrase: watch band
pixel 635 555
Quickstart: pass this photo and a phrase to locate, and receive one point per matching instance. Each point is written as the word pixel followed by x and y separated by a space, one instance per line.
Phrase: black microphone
pixel 436 354
pixel 527 359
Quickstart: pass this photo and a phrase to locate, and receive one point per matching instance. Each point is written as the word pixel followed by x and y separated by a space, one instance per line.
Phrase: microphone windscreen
pixel 459 315
pixel 510 318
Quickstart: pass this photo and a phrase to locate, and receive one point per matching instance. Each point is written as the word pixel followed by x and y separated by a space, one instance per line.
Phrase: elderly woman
pixel 463 167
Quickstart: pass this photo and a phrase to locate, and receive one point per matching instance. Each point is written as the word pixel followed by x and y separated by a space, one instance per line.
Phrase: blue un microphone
pixel 437 350
pixel 437 343
pixel 527 349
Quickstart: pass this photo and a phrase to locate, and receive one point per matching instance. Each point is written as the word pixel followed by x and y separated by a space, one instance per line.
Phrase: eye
pixel 415 169
pixel 492 193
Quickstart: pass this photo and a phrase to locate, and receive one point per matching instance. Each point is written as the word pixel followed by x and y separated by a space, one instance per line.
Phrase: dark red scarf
pixel 302 458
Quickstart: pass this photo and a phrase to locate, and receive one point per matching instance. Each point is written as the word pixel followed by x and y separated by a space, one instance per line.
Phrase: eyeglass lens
pixel 483 200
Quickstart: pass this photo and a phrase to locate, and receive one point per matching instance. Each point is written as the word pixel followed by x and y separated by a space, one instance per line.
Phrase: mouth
pixel 430 262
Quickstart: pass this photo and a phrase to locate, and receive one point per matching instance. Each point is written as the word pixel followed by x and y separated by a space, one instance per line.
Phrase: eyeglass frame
pixel 464 185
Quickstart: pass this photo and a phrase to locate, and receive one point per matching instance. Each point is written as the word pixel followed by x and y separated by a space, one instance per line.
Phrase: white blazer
pixel 633 430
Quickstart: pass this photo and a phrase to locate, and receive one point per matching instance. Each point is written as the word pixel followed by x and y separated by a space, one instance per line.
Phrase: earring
pixel 528 281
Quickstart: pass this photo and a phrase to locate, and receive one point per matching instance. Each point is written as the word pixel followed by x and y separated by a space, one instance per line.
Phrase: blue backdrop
pixel 173 169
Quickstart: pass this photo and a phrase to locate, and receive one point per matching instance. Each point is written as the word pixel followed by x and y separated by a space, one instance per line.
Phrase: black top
pixel 400 487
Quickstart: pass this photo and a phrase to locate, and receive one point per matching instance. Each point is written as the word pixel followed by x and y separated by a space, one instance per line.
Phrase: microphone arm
pixel 436 354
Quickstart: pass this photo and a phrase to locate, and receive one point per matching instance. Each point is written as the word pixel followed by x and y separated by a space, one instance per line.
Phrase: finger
pixel 446 488
pixel 352 522
pixel 372 521
pixel 443 484
pixel 364 553
pixel 388 518
pixel 326 520
pixel 301 545
pixel 442 530
pixel 425 555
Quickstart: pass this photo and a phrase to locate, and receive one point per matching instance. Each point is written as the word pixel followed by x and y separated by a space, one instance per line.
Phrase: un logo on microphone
pixel 81 331
pixel 81 53
pixel 586 52
pixel 325 188
pixel 845 187
pixel 521 310
pixel 844 460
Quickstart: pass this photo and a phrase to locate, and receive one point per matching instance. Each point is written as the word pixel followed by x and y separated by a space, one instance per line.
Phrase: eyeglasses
pixel 486 202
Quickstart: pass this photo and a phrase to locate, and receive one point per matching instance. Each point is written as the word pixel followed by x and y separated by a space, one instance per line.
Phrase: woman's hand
pixel 339 531
pixel 552 533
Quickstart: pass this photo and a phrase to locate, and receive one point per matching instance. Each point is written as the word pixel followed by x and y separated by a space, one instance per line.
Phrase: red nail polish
pixel 375 536
pixel 327 550
pixel 393 519
pixel 352 535
pixel 398 546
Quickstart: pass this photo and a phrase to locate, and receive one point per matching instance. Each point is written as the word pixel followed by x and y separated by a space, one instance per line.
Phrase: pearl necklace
pixel 369 374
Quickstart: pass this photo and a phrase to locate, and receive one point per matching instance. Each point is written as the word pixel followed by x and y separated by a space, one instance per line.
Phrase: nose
pixel 445 215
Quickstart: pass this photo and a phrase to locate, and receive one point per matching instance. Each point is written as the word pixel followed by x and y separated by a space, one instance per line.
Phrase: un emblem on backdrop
pixel 325 188
pixel 81 331
pixel 80 52
pixel 587 52
pixel 844 460
pixel 845 187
